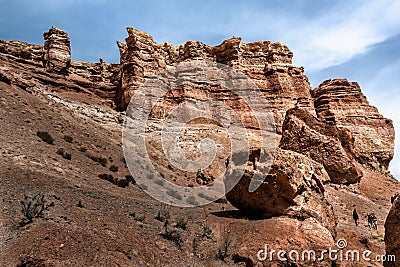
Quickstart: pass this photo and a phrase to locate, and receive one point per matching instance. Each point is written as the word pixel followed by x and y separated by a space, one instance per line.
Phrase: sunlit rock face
pixel 269 65
pixel 342 103
pixel 57 50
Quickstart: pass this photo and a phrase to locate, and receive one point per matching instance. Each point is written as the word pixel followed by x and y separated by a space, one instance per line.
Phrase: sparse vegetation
pixel 130 179
pixel 99 159
pixel 34 207
pixel 139 218
pixel 207 232
pixel 113 168
pixel 181 222
pixel 205 197
pixel 192 200
pixel 225 243
pixel 66 155
pixel 68 138
pixel 118 182
pixel 46 137
pixel 164 213
pixel 172 234
pixel 174 194
pixel 107 177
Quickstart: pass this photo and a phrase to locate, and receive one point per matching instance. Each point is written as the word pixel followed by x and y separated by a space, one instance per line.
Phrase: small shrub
pixel 172 234
pixel 79 205
pixel 207 232
pixel 160 182
pixel 68 138
pixel 205 197
pixel 192 200
pixel 107 177
pixel 130 179
pixel 121 183
pixel 143 186
pixel 181 223
pixel 225 244
pixel 34 207
pixel 46 137
pixel 99 159
pixel 174 194
pixel 139 218
pixel 66 155
pixel 113 168
pixel 164 214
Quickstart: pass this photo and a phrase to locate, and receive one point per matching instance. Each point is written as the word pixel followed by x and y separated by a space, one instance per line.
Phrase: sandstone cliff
pixel 333 148
pixel 50 66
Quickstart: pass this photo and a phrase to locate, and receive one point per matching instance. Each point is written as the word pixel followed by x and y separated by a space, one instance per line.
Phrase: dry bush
pixel 225 243
pixel 46 137
pixel 34 207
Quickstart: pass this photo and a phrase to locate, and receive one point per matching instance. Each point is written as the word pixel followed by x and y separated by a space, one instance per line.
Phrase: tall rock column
pixel 342 103
pixel 57 51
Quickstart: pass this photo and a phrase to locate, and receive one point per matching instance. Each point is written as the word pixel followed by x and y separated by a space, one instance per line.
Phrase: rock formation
pixel 57 50
pixel 322 142
pixel 268 64
pixel 49 66
pixel 392 233
pixel 342 103
pixel 293 186
pixel 329 139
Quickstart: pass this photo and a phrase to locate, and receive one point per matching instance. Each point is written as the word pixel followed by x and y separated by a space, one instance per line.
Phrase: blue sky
pixel 358 40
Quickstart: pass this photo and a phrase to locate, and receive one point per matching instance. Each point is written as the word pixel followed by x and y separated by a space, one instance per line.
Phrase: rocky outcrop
pixel 50 67
pixel 57 50
pixel 293 186
pixel 268 64
pixel 392 233
pixel 322 142
pixel 342 103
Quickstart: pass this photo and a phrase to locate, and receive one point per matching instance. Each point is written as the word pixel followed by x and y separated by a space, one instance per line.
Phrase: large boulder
pixel 322 142
pixel 293 187
pixel 342 103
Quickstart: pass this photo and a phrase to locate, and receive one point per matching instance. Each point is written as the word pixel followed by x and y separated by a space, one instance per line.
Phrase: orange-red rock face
pixel 339 128
pixel 342 103
pixel 268 64
pixel 50 67
pixel 57 50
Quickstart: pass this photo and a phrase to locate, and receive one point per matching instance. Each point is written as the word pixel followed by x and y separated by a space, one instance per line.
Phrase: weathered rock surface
pixel 295 199
pixel 392 233
pixel 50 67
pixel 322 142
pixel 57 50
pixel 293 186
pixel 342 103
pixel 268 64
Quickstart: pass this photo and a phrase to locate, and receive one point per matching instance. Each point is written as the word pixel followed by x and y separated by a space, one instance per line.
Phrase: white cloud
pixel 340 34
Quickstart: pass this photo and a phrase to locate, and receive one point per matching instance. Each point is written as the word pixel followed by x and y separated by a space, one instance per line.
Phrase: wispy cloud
pixel 383 87
pixel 340 34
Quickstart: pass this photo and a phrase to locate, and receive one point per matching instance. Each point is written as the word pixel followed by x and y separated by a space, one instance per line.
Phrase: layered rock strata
pixel 268 64
pixel 50 67
pixel 342 103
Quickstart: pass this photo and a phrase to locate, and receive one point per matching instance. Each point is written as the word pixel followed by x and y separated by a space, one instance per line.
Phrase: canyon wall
pixel 326 135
